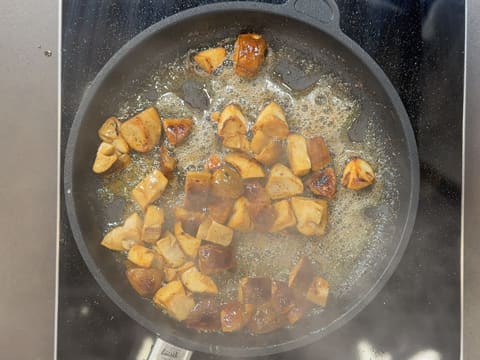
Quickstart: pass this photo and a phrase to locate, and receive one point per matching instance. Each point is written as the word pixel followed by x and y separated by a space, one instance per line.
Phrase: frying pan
pixel 312 27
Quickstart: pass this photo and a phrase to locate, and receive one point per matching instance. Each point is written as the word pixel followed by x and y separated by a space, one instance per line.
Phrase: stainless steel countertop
pixel 28 182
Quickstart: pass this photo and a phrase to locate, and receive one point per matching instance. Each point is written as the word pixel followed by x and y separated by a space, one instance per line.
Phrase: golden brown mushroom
pixel 318 152
pixel 298 155
pixel 177 130
pixel 358 174
pixel 144 281
pixel 311 214
pixel 150 189
pixel 248 54
pixel 323 183
pixel 282 183
pixel 210 59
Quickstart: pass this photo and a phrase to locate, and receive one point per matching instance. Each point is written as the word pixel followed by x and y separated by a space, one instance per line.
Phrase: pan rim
pixel 375 71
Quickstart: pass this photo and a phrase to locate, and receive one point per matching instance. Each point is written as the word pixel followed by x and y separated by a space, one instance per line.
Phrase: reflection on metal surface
pixel 366 351
pixel 426 355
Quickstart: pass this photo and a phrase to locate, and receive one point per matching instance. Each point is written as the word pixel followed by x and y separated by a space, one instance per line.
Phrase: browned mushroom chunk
pixel 219 234
pixel 150 189
pixel 318 152
pixel 219 209
pixel 213 162
pixel 318 291
pixel 247 167
pixel 142 132
pixel 282 183
pixel 172 297
pixel 323 183
pixel 152 224
pixel 210 59
pixel 248 54
pixel 214 258
pixel 301 276
pixel 285 216
pixel 272 122
pixel 232 126
pixel 175 273
pixel 177 130
pixel 283 298
pixel 205 315
pixel 254 291
pixel 190 220
pixel 197 282
pixel 240 219
pixel 298 155
pixel 260 206
pixel 125 236
pixel 141 256
pixel 187 242
pixel 167 163
pixel 270 151
pixel 266 319
pixel 170 250
pixel 301 307
pixel 233 317
pixel 226 183
pixel 105 159
pixel 311 214
pixel 110 129
pixel 358 174
pixel 197 187
pixel 144 281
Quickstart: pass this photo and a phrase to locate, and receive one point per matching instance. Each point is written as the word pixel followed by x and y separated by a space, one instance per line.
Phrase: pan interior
pixel 365 227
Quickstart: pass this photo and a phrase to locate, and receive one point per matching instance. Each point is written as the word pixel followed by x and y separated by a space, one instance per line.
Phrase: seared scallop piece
pixel 214 258
pixel 300 308
pixel 248 54
pixel 213 162
pixel 210 59
pixel 323 183
pixel 144 281
pixel 358 174
pixel 177 130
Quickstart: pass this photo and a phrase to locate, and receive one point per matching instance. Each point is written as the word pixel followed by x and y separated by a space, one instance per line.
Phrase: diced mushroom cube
pixel 125 236
pixel 152 224
pixel 318 152
pixel 170 250
pixel 298 155
pixel 150 189
pixel 213 163
pixel 285 216
pixel 210 59
pixel 233 317
pixel 219 234
pixel 172 298
pixel 254 291
pixel 219 209
pixel 272 121
pixel 142 132
pixel 282 183
pixel 177 130
pixel 237 142
pixel 215 258
pixel 141 256
pixel 301 275
pixel 231 122
pixel 358 174
pixel 197 187
pixel 205 316
pixel 318 291
pixel 311 214
pixel 248 54
pixel 120 145
pixel 240 219
pixel 188 243
pixel 167 163
pixel 110 129
pixel 271 153
pixel 262 215
pixel 152 124
pixel 226 183
pixel 266 319
pixel 323 183
pixel 144 281
pixel 105 159
pixel 247 167
pixel 283 297
pixel 175 273
pixel 197 282
pixel 301 307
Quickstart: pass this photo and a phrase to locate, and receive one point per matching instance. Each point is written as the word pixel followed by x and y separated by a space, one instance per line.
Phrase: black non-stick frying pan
pixel 312 27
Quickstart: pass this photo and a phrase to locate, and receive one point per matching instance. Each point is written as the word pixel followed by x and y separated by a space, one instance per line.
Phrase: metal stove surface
pixel 420 45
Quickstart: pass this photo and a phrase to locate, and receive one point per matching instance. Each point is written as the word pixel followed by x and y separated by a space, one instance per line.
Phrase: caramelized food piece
pixel 175 273
pixel 219 209
pixel 237 142
pixel 215 258
pixel 210 59
pixel 301 307
pixel 283 183
pixel 233 317
pixel 142 132
pixel 187 242
pixel 266 319
pixel 167 163
pixel 301 275
pixel 285 217
pixel 240 219
pixel 323 183
pixel 311 214
pixel 318 152
pixel 144 281
pixel 150 189
pixel 125 236
pixel 187 216
pixel 358 174
pixel 105 158
pixel 110 129
pixel 248 54
pixel 283 298
pixel 226 183
pixel 172 297
pixel 170 250
pixel 272 122
pixel 219 234
pixel 247 167
pixel 262 214
pixel 122 162
pixel 202 231
pixel 213 162
pixel 177 130
pixel 298 155
pixel 215 116
pixel 141 256
pixel 271 153
pixel 254 291
pixel 197 187
pixel 232 122
pixel 318 291
pixel 197 282
pixel 152 224
pixel 255 191
pixel 205 316
pixel 121 146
